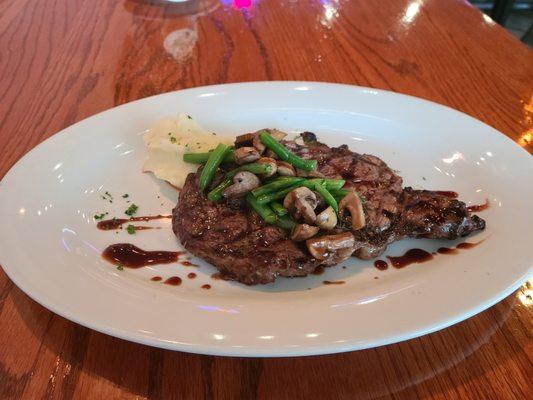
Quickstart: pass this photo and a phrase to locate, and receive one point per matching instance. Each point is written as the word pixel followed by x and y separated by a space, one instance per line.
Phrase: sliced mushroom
pixel 304 211
pixel 259 146
pixel 243 182
pixel 301 203
pixel 277 134
pixel 285 169
pixel 272 163
pixel 244 140
pixel 244 155
pixel 303 231
pixel 327 219
pixel 332 248
pixel 321 203
pixel 270 154
pixel 300 193
pixel 352 203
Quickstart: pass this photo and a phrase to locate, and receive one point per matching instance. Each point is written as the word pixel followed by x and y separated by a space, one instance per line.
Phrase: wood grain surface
pixel 64 60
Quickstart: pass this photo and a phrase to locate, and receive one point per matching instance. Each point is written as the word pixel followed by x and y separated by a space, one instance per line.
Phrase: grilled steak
pixel 244 248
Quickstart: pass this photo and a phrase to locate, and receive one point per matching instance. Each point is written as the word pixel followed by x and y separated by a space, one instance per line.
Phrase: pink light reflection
pixel 242 3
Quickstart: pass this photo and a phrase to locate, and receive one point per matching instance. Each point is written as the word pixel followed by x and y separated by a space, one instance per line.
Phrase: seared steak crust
pixel 244 248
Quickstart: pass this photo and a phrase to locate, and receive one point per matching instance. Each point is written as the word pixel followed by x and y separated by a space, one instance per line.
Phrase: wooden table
pixel 64 60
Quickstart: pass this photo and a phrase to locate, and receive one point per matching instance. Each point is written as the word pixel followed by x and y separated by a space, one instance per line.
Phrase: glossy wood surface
pixel 64 60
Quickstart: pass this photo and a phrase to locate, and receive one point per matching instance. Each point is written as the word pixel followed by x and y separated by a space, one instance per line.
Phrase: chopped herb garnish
pixel 173 139
pixel 170 133
pixel 188 116
pixel 213 133
pixel 100 216
pixel 125 196
pixel 131 210
pixel 120 266
pixel 130 229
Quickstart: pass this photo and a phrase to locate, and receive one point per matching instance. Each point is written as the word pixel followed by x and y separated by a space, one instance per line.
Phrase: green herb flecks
pixel 120 266
pixel 131 210
pixel 131 229
pixel 125 196
pixel 100 216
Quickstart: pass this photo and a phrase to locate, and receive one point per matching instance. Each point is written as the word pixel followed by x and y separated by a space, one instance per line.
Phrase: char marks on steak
pixel 244 248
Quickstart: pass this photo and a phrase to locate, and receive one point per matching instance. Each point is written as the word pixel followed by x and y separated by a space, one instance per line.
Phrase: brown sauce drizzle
pixel 128 255
pixel 206 286
pixel 413 256
pixel 419 256
pixel 116 223
pixel 332 282
pixel 467 245
pixel 191 275
pixel 381 265
pixel 173 281
pixel 479 207
pixel 188 263
pixel 216 276
pixel 447 193
pixel 156 278
pixel 447 250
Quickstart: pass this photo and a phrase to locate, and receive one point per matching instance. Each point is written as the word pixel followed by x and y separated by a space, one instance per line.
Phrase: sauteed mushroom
pixel 244 155
pixel 243 182
pixel 303 231
pixel 327 219
pixel 301 202
pixel 352 203
pixel 285 169
pixel 332 248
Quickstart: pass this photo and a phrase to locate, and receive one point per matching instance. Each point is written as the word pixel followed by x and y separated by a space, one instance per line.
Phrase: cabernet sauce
pixel 191 275
pixel 332 282
pixel 156 278
pixel 419 256
pixel 173 281
pixel 413 256
pixel 116 223
pixel 206 286
pixel 188 263
pixel 478 207
pixel 128 255
pixel 216 276
pixel 381 265
pixel 447 193
pixel 447 250
pixel 466 245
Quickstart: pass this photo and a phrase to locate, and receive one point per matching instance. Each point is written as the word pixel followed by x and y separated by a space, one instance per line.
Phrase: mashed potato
pixel 169 139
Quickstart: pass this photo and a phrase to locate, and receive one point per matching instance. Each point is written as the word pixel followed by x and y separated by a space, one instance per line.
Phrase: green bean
pixel 263 210
pixel 339 193
pixel 285 154
pixel 255 168
pixel 269 197
pixel 276 185
pixel 201 158
pixel 216 193
pixel 285 222
pixel 210 167
pixel 328 198
pixel 330 184
pixel 279 209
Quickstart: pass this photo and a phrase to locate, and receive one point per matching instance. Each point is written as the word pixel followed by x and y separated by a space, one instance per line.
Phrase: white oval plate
pixel 50 247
